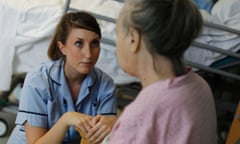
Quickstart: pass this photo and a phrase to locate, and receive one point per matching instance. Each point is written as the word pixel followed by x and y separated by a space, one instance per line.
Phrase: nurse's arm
pixel 37 135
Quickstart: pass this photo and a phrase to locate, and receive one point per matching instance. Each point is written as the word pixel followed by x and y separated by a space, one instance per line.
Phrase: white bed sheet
pixel 226 13
pixel 26 27
pixel 8 18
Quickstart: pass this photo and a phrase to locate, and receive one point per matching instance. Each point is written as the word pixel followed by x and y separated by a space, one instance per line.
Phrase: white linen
pixel 36 25
pixel 24 25
pixel 228 11
pixel 9 18
pixel 222 12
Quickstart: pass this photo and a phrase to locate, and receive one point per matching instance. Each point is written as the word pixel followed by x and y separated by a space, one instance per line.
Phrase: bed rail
pixel 229 53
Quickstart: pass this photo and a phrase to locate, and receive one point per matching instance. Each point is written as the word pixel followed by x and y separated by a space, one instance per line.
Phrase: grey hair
pixel 168 27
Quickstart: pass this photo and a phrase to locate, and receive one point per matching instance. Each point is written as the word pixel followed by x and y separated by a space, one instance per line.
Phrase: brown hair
pixel 68 21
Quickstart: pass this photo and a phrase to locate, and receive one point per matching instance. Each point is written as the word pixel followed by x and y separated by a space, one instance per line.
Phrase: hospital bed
pixel 106 11
pixel 29 46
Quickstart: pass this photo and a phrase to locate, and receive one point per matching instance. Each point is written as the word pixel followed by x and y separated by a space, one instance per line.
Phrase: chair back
pixel 234 133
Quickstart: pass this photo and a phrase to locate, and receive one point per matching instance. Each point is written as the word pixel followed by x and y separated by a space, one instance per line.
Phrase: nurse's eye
pixel 79 43
pixel 95 43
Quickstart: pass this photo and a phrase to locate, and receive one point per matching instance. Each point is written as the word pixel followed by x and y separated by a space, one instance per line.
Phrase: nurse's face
pixel 81 50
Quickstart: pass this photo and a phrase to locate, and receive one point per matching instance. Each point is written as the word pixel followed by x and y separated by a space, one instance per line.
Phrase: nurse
pixel 67 93
pixel 175 105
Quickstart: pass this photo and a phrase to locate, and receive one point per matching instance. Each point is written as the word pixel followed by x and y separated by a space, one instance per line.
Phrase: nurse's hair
pixel 68 21
pixel 168 27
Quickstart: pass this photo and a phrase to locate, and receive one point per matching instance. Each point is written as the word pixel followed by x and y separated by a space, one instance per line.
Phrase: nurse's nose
pixel 87 51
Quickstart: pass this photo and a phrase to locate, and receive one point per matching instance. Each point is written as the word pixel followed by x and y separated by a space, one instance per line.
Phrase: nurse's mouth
pixel 86 63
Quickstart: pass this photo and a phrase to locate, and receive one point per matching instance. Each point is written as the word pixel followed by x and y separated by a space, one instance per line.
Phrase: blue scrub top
pixel 45 98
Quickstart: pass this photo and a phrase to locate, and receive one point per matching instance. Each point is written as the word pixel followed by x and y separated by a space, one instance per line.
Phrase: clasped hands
pixel 93 129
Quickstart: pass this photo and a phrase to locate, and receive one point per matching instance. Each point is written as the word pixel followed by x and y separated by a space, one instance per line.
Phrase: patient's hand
pixel 102 127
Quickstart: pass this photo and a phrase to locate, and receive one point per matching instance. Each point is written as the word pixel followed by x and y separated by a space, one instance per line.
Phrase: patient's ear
pixel 61 47
pixel 134 39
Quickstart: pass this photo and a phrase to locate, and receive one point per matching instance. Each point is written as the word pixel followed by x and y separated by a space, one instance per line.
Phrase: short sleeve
pixel 33 105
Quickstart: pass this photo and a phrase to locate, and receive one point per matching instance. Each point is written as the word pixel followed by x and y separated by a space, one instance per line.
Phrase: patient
pixel 69 93
pixel 176 105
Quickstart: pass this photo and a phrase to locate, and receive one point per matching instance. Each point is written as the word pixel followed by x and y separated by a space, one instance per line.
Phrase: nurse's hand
pixel 79 121
pixel 102 127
